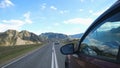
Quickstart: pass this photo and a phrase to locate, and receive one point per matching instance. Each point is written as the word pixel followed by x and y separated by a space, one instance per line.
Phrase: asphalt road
pixel 46 57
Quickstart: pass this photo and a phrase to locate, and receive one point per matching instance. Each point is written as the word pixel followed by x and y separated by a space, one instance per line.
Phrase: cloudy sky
pixel 59 16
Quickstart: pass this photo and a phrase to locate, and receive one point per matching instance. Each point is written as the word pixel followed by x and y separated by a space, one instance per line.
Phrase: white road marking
pixel 12 62
pixel 54 63
pixel 19 58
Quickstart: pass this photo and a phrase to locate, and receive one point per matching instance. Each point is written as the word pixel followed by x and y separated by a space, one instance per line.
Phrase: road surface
pixel 48 56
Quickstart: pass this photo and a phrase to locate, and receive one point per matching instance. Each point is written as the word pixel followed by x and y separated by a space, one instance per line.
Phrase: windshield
pixel 34 30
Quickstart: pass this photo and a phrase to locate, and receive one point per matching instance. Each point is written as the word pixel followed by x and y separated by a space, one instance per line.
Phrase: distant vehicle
pixel 56 43
pixel 99 47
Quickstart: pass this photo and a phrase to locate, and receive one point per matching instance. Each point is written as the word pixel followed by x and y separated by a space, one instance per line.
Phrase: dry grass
pixel 10 52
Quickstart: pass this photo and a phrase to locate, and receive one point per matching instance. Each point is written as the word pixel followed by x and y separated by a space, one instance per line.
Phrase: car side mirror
pixel 67 49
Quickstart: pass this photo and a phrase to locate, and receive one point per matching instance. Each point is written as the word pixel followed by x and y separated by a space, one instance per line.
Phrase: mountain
pixel 115 30
pixel 76 35
pixel 54 36
pixel 13 37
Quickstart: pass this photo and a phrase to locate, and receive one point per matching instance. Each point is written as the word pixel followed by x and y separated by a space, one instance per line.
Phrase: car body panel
pixel 89 62
pixel 76 62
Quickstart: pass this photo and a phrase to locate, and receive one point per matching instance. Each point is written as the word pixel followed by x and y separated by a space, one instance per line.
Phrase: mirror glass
pixel 67 49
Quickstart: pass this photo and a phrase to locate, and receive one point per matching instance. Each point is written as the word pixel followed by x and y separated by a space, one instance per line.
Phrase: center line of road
pixel 54 63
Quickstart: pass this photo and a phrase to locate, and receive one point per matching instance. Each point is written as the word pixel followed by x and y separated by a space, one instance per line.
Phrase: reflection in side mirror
pixel 67 49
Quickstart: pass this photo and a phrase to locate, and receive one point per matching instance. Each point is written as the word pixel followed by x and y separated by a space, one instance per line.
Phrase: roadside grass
pixel 9 52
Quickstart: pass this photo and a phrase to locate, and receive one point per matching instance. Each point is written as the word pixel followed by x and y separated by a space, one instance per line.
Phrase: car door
pixel 100 45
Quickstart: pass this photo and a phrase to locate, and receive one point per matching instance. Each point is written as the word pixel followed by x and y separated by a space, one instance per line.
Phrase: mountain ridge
pixel 13 37
pixel 76 36
pixel 24 37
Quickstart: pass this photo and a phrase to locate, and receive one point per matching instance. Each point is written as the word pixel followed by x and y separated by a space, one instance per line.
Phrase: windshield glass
pixel 34 30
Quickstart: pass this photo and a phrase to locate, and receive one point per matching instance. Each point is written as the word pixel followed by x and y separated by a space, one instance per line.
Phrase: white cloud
pixel 6 3
pixel 109 25
pixel 90 11
pixel 56 24
pixel 81 0
pixel 64 11
pixel 92 0
pixel 100 12
pixel 27 17
pixel 61 12
pixel 11 24
pixel 53 7
pixel 43 6
pixel 15 23
pixel 81 10
pixel 82 21
pixel 76 31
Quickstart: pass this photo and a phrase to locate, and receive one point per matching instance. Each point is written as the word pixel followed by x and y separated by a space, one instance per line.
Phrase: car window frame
pixel 106 15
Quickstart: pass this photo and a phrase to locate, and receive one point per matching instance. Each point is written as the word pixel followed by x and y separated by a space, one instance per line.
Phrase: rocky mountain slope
pixel 54 36
pixel 13 37
pixel 76 36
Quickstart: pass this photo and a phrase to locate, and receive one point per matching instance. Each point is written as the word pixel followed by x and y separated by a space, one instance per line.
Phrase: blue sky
pixel 59 16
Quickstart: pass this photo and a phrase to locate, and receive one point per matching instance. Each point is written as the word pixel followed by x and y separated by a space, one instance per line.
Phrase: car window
pixel 104 40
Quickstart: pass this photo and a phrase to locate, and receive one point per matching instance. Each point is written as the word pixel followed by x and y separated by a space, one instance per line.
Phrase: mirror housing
pixel 67 49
